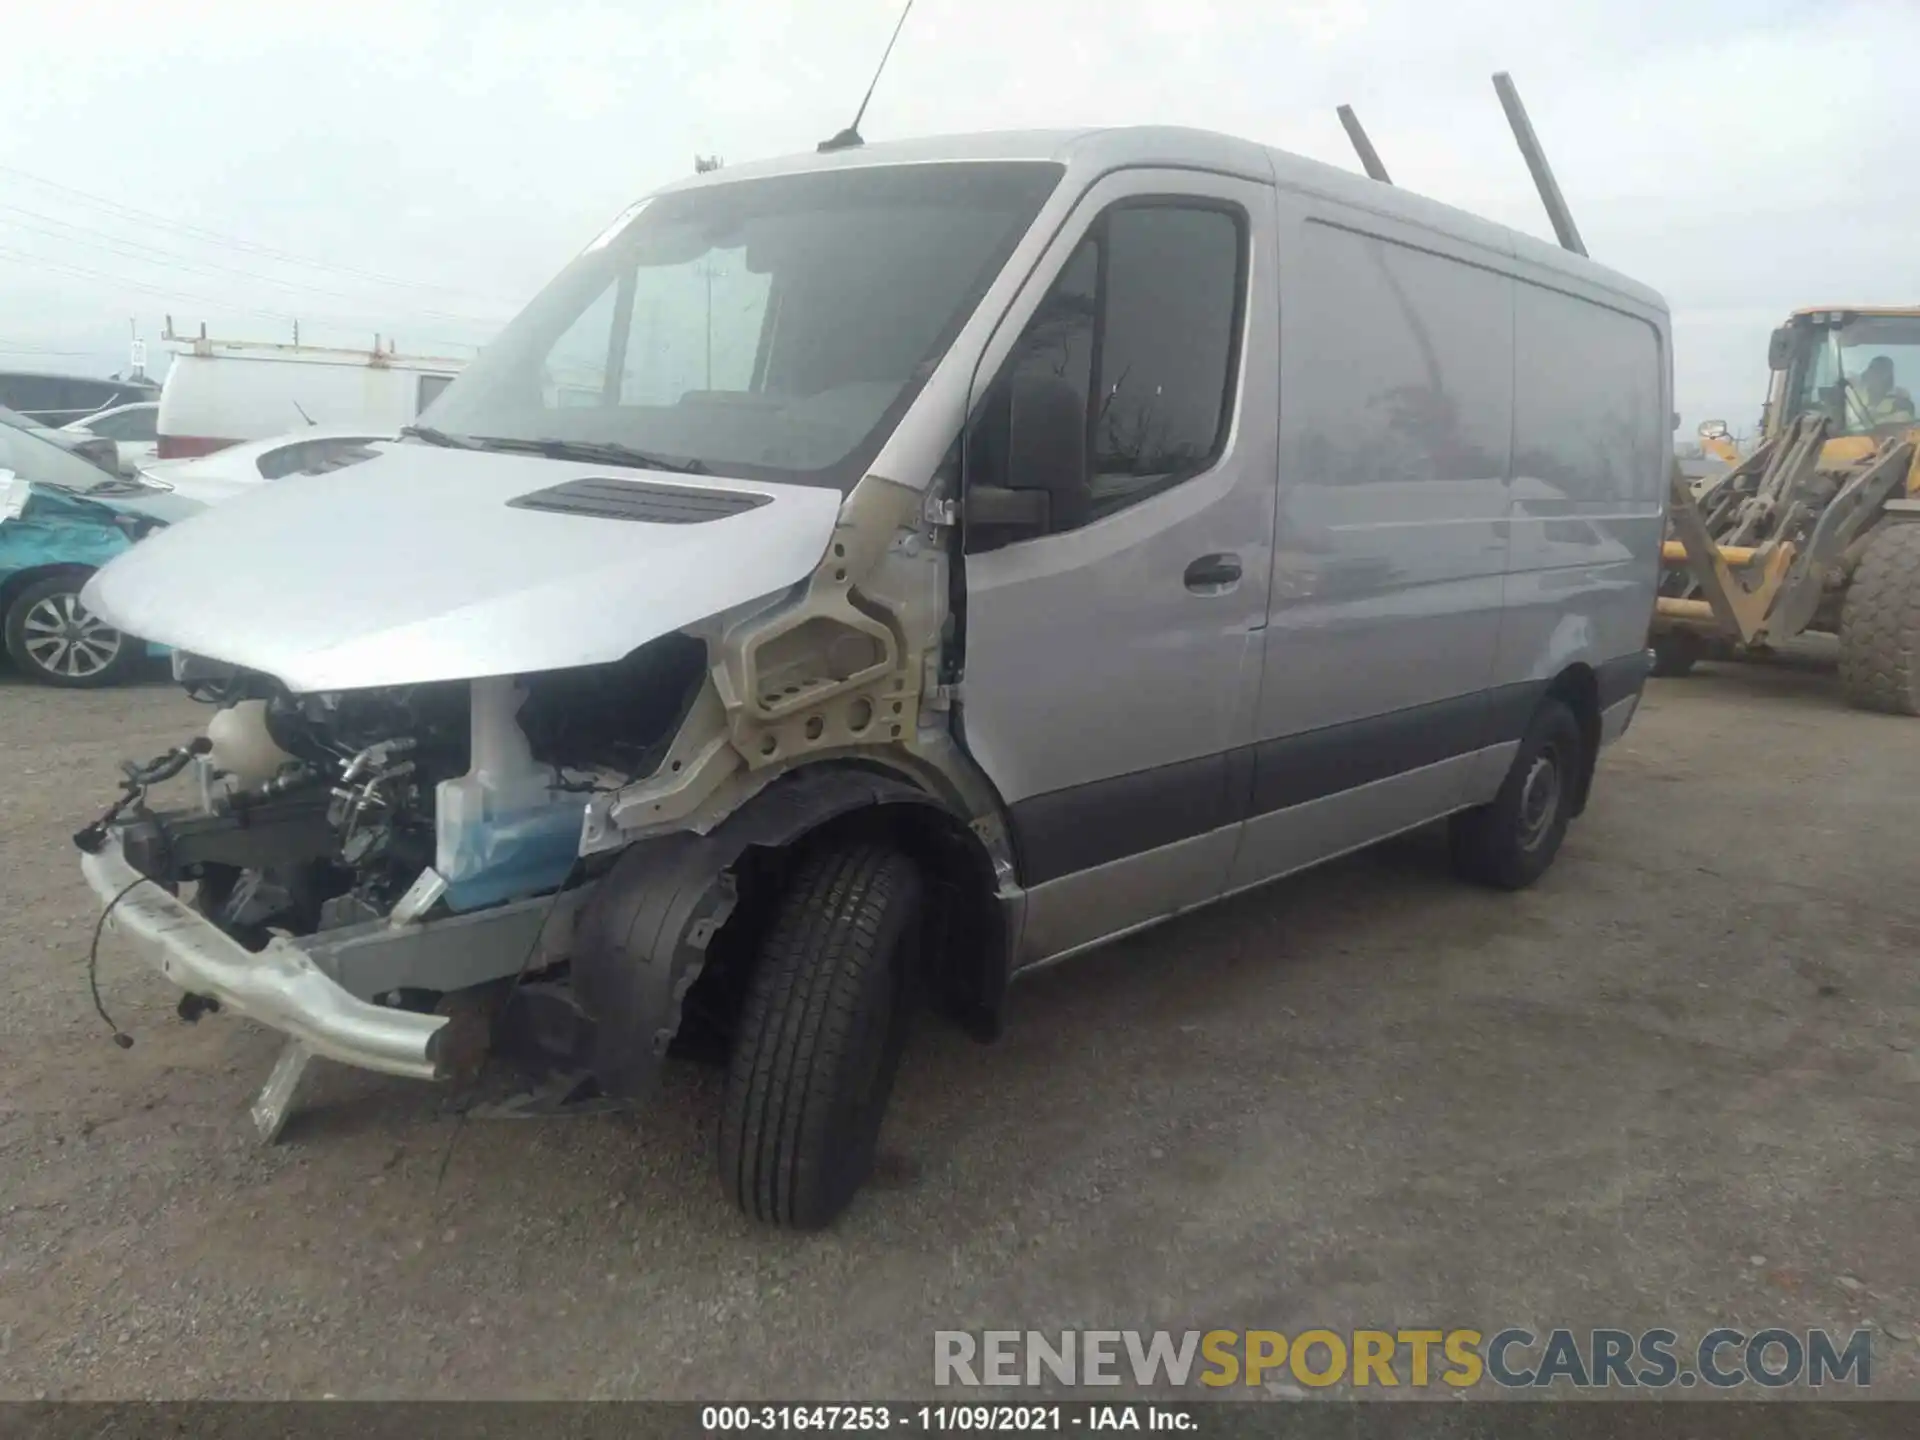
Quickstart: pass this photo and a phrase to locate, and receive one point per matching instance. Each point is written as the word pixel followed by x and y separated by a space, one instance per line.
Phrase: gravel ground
pixel 1674 1085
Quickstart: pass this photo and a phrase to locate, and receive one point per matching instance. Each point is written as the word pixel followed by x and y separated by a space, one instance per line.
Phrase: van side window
pixel 1166 349
pixel 1141 327
pixel 1400 373
pixel 1587 380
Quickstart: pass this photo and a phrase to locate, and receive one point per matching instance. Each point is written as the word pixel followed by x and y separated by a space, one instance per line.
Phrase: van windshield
pixel 771 328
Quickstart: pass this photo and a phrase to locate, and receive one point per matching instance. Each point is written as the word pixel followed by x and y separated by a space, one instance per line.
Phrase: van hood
pixel 424 564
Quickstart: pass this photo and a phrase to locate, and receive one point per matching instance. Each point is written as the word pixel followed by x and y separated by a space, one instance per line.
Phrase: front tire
pixel 1880 625
pixel 1509 842
pixel 56 640
pixel 820 1036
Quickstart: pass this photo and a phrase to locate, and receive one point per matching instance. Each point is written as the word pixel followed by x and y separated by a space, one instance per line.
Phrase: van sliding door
pixel 1391 537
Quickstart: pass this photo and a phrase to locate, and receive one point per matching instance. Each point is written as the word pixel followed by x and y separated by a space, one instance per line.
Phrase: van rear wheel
pixel 820 1036
pixel 1509 842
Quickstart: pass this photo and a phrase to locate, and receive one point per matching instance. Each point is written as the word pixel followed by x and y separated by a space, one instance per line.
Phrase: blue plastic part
pixel 515 856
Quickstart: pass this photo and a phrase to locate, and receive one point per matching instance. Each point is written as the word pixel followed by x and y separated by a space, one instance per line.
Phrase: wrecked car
pixel 61 518
pixel 859 578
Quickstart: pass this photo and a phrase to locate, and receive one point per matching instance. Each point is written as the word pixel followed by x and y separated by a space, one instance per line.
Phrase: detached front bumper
pixel 279 986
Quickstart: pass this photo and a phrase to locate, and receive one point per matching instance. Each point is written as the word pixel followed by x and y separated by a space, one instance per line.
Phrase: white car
pixel 133 429
pixel 239 468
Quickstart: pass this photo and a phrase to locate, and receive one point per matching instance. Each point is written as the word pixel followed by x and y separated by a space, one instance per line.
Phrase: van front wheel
pixel 820 1036
pixel 1509 842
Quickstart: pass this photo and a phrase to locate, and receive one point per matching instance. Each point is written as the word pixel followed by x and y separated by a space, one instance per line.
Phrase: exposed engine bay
pixel 321 811
pixel 444 825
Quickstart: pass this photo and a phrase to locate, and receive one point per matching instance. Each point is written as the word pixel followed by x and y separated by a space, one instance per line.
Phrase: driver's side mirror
pixel 1037 483
pixel 1779 348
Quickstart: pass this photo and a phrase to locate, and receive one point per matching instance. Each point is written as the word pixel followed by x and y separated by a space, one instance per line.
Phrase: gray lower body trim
pixel 1287 840
pixel 1615 719
pixel 1094 826
pixel 1094 905
pixel 1077 913
pixel 1622 677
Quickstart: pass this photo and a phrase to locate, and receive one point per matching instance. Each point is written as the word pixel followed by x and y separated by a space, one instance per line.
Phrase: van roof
pixel 1093 151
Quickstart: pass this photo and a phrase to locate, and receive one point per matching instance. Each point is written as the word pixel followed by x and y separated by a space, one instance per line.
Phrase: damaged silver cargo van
pixel 860 578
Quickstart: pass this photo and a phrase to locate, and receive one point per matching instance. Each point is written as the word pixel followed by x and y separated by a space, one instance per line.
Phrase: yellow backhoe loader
pixel 1818 529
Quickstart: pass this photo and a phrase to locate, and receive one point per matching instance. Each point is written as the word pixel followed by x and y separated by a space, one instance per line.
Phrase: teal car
pixel 61 519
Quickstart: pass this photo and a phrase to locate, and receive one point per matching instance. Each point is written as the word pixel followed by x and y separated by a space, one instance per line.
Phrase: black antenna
pixel 849 138
pixel 1563 227
pixel 1363 147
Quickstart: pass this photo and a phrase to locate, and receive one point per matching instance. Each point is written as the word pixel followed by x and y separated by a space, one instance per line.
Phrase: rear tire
pixel 56 640
pixel 1509 842
pixel 820 1036
pixel 1880 625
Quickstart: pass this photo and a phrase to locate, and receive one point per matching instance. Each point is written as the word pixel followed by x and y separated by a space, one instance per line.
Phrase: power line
pixel 134 250
pixel 7 349
pixel 19 257
pixel 215 237
pixel 365 323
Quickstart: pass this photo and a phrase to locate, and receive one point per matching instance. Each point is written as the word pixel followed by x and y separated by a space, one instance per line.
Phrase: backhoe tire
pixel 1880 625
pixel 1509 842
pixel 1675 652
pixel 820 1036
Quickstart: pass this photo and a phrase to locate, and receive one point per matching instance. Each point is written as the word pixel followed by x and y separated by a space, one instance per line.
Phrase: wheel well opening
pixel 11 587
pixel 1576 688
pixel 963 947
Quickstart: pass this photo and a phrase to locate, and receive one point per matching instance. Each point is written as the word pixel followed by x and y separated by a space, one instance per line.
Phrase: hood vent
pixel 329 460
pixel 640 500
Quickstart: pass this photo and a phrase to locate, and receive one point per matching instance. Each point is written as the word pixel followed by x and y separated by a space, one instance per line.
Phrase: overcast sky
pixel 419 167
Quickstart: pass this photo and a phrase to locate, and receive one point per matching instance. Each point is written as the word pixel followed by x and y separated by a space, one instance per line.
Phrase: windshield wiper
pixel 439 437
pixel 592 452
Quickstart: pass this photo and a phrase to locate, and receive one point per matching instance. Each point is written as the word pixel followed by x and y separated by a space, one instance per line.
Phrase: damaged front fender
pixel 645 934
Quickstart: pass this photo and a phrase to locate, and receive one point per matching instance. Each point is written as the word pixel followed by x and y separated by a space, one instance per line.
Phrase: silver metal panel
pixel 1482 779
pixel 1078 911
pixel 411 568
pixel 278 986
pixel 1302 835
pixel 451 953
pixel 1396 393
pixel 1087 657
